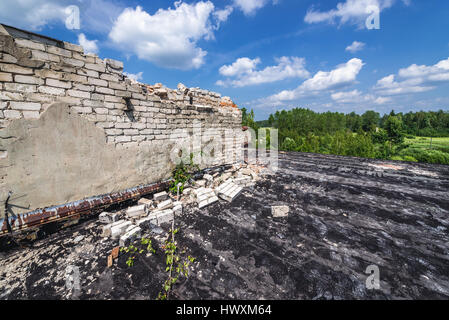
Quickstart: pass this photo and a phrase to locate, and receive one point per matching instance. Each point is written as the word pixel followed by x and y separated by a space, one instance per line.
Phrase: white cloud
pixel 90 46
pixel 223 14
pixel 382 100
pixel 245 71
pixel 249 7
pixel 99 15
pixel 350 11
pixel 240 66
pixel 134 76
pixel 32 14
pixel 167 38
pixel 357 97
pixel 343 75
pixel 355 46
pixel 96 15
pixel 389 86
pixel 414 79
pixel 349 96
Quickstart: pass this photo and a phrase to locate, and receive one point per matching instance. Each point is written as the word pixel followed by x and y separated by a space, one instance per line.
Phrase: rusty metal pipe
pixel 75 209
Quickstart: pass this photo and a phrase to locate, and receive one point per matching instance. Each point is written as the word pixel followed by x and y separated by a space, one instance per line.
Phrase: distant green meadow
pixel 425 149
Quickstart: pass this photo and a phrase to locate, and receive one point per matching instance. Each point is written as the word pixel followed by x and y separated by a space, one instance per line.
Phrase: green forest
pixel 414 136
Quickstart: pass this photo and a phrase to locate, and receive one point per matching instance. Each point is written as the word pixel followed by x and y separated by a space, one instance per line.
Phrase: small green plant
pixel 145 243
pixel 181 174
pixel 176 265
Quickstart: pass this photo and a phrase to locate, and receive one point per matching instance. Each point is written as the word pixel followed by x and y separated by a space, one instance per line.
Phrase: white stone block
pixel 148 203
pixel 132 234
pixel 228 190
pixel 119 228
pixel 167 204
pixel 280 211
pixel 165 216
pixel 177 208
pixel 161 196
pixel 105 218
pixel 136 211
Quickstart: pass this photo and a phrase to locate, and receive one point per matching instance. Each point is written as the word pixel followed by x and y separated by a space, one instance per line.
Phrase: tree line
pixel 367 135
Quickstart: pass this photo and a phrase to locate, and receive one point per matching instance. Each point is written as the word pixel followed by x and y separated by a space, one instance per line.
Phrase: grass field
pixel 441 144
pixel 425 149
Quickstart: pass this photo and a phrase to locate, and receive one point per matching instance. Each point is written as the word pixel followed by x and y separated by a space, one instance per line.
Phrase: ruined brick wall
pixel 73 126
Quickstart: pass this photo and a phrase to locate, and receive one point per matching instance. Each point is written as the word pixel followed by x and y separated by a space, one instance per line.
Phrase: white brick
pixel 118 229
pixel 44 56
pixel 83 57
pixel 85 110
pixel 15 69
pixel 82 87
pixel 280 211
pixel 160 196
pixel 136 211
pixel 177 208
pixel 114 132
pixel 8 58
pixel 73 62
pixel 73 47
pixel 97 96
pixel 117 86
pixel 59 51
pixel 29 44
pixel 12 114
pixel 113 99
pixel 58 83
pixel 104 217
pixel 75 78
pixel 22 88
pixel 70 100
pixel 123 125
pixel 131 132
pixel 5 95
pixel 145 222
pixel 96 67
pixel 30 106
pixel 50 74
pixel 104 90
pixel 120 139
pixel 111 77
pixel 138 125
pixel 167 204
pixel 93 103
pixel 114 63
pixel 101 110
pixel 89 73
pixel 144 201
pixel 97 82
pixel 51 90
pixel 78 94
pixel 165 216
pixel 31 114
pixel 131 235
pixel 28 79
pixel 5 77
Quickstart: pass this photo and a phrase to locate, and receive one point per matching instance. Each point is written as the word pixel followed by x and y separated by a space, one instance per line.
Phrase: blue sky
pixel 267 55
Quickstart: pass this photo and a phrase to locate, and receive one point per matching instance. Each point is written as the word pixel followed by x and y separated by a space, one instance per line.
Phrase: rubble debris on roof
pixel 344 215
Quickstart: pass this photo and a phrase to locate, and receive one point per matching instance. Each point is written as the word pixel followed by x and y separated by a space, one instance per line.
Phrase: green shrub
pixel 428 156
pixel 289 144
pixel 410 159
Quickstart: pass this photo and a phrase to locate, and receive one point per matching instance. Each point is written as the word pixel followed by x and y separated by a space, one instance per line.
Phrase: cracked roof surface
pixel 345 215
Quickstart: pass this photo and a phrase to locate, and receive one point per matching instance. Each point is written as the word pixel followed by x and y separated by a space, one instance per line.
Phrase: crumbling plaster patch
pixel 62 157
